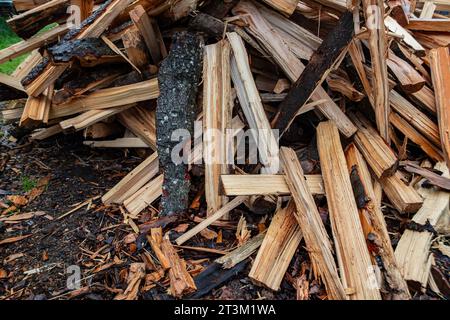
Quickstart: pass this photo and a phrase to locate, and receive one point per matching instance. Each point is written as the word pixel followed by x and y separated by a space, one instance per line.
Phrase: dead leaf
pixel 17 200
pixel 208 234
pixel 39 189
pixel 130 238
pixel 14 239
pixel 45 255
pixel 3 274
pixel 181 228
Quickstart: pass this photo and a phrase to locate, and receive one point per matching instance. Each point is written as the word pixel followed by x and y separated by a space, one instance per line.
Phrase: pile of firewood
pixel 359 92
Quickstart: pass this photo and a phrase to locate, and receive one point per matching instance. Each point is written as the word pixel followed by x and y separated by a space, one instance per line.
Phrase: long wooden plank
pixel 108 98
pixel 373 223
pixel 355 267
pixel 308 217
pixel 265 184
pixel 440 73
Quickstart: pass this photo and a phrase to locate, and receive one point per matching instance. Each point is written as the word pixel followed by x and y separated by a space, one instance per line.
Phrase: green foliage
pixel 7 38
pixel 28 183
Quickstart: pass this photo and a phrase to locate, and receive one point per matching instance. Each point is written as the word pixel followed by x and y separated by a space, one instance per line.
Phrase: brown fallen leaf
pixel 208 234
pixel 17 200
pixel 3 274
pixel 181 228
pixel 39 189
pixel 45 255
pixel 18 217
pixel 14 239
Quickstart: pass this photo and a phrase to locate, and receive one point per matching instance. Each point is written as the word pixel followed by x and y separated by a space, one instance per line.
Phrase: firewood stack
pixel 359 92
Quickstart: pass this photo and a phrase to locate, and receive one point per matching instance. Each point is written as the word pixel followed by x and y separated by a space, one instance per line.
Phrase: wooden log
pixel 43 75
pixel 37 110
pixel 29 63
pixel 148 27
pixel 231 259
pixel 399 11
pixel 88 118
pixel 101 130
pixel 402 196
pixel 144 197
pixel 433 40
pixel 118 143
pixel 318 68
pixel 415 117
pixel 435 25
pixel 440 72
pixel 286 7
pixel 355 267
pixel 182 70
pixel 212 218
pixel 409 131
pixel 141 121
pixel 340 84
pixel 410 80
pixel 8 116
pixel 376 233
pixel 393 26
pixel 135 48
pixel 316 238
pixel 265 184
pixel 217 112
pixel 108 98
pixel 288 62
pixel 373 11
pixel 277 249
pixel 425 97
pixel 34 42
pixel 45 133
pixel 28 23
pixel 377 153
pixel 85 7
pixel 252 106
pixel 413 249
pixel 133 181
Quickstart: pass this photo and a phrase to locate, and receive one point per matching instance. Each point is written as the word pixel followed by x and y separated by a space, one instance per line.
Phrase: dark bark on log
pixel 320 63
pixel 209 25
pixel 7 93
pixel 219 8
pixel 213 277
pixel 179 77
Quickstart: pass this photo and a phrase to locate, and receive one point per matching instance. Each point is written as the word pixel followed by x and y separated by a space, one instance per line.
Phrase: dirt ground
pixel 94 237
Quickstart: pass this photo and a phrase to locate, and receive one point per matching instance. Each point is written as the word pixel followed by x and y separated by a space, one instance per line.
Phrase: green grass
pixel 7 38
pixel 28 183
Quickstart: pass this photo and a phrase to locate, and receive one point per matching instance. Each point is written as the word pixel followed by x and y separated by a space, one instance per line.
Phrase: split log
pixel 45 73
pixel 155 238
pixel 436 25
pixel 355 267
pixel 133 181
pixel 141 121
pixel 413 249
pixel 45 133
pixel 29 63
pixel 24 5
pixel 399 11
pixel 287 7
pixel 415 117
pixel 210 25
pixel 135 48
pixel 374 226
pixel 377 153
pixel 264 184
pixel 101 130
pixel 182 70
pixel 374 11
pixel 342 85
pixel 118 143
pixel 34 42
pixel 144 196
pixel 37 110
pixel 26 24
pixel 409 131
pixel 148 27
pixel 393 26
pixel 280 51
pixel 108 98
pixel 85 7
pixel 425 98
pixel 402 196
pixel 308 217
pixel 251 105
pixel 277 249
pixel 88 118
pixel 8 116
pixel 315 72
pixel 433 40
pixel 231 259
pixel 217 112
pixel 410 80
pixel 440 72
